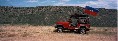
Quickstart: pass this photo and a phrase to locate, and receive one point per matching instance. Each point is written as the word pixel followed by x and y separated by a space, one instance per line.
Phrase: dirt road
pixel 45 33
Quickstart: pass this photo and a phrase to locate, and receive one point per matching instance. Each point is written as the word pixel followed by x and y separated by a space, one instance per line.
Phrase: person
pixel 72 22
pixel 69 20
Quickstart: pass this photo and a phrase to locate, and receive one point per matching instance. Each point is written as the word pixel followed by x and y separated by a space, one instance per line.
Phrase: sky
pixel 109 4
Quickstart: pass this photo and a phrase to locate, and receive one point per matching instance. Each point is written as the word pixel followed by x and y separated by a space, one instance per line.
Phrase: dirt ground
pixel 45 33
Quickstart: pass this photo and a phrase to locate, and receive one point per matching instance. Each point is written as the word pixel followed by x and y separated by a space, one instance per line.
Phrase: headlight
pixel 82 25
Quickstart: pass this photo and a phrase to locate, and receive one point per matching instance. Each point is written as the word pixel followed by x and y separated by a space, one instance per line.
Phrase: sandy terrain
pixel 45 33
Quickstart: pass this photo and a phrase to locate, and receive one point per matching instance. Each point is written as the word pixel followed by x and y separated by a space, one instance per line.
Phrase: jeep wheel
pixel 59 29
pixel 82 30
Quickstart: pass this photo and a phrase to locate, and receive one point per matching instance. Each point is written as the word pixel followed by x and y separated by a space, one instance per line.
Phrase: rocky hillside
pixel 48 15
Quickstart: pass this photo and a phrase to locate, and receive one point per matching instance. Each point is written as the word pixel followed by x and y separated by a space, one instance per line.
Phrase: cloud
pixel 43 2
pixel 62 2
pixel 53 1
pixel 47 1
pixel 59 4
pixel 109 4
pixel 32 1
pixel 96 4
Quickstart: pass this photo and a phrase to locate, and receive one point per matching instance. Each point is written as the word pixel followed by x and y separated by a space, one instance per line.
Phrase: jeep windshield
pixel 83 20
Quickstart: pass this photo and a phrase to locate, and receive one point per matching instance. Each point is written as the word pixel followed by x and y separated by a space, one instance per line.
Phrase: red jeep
pixel 77 23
